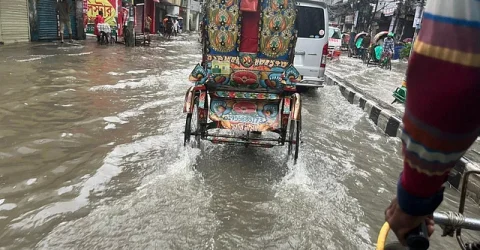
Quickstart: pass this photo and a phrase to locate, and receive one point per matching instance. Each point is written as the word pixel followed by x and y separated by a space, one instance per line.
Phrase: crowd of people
pixel 171 26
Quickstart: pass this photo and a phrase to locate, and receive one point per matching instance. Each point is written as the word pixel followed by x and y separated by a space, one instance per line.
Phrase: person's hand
pixel 401 223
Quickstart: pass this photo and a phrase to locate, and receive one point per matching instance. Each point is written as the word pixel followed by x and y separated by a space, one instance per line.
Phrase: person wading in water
pixel 63 9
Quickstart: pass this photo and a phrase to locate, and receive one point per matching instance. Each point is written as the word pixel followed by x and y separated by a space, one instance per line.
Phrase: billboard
pixel 109 8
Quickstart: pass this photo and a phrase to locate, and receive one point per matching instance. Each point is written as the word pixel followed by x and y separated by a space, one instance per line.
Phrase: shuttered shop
pixel 14 24
pixel 47 19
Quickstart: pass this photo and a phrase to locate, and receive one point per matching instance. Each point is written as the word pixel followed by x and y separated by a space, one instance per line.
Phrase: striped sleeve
pixel 442 113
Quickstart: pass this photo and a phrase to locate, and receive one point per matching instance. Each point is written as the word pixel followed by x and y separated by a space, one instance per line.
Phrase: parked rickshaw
pixel 245 87
pixel 376 50
pixel 355 48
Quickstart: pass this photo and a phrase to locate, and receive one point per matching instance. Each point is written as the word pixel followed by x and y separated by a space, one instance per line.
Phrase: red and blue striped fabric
pixel 442 114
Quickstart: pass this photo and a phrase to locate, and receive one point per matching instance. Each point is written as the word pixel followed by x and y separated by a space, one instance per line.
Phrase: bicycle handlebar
pixel 417 239
pixel 452 219
pixel 452 222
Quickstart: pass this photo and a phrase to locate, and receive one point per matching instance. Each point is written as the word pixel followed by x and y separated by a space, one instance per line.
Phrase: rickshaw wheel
pixel 294 139
pixel 366 57
pixel 192 127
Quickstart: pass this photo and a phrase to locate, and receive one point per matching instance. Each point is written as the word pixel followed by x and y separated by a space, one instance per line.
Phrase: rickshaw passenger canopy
pixel 379 36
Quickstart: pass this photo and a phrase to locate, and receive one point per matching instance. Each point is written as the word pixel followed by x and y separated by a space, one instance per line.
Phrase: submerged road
pixel 92 157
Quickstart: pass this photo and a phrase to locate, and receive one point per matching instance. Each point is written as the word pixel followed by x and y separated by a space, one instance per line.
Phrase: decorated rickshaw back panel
pixel 226 66
pixel 247 115
pixel 277 29
pixel 223 27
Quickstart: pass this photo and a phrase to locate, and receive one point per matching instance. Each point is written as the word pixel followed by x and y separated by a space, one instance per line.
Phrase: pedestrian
pixel 366 44
pixel 351 44
pixel 98 19
pixel 161 29
pixel 165 20
pixel 176 27
pixel 169 27
pixel 180 25
pixel 63 9
pixel 148 23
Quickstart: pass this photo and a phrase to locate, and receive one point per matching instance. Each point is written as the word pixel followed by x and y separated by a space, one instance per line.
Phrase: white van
pixel 312 44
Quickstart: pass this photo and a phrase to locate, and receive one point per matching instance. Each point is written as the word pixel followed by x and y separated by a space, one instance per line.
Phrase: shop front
pixel 14 23
pixel 44 24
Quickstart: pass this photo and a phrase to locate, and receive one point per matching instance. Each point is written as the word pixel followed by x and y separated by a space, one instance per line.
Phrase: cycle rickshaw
pixel 376 50
pixel 356 50
pixel 245 87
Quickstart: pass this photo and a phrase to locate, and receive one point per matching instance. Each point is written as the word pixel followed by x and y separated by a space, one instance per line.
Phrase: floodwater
pixel 379 85
pixel 92 157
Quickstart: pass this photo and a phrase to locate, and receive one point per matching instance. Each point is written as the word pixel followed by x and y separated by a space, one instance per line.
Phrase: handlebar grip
pixel 417 239
pixel 472 246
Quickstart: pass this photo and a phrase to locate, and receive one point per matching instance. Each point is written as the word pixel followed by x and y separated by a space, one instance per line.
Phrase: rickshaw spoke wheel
pixel 294 139
pixel 192 125
pixel 188 130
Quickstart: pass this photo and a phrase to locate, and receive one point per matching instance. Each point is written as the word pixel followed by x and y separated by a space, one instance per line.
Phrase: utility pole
pixel 401 92
pixel 417 21
pixel 397 19
pixel 79 18
pixel 187 24
pixel 130 35
pixel 372 16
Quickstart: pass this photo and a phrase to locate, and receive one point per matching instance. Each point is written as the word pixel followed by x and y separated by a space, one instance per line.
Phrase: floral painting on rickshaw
pixel 277 28
pixel 223 27
pixel 245 114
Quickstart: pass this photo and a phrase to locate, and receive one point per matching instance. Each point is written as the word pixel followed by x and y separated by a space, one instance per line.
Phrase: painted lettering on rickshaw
pixel 270 63
pixel 231 59
pixel 244 118
pixel 258 61
pixel 245 126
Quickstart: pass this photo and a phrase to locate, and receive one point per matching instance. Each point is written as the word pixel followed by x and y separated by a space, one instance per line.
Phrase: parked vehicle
pixel 311 49
pixel 345 39
pixel 334 38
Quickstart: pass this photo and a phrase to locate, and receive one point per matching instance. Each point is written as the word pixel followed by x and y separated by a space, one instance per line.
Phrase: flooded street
pixel 92 157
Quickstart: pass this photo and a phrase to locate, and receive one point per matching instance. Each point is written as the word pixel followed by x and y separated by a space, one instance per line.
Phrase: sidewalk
pixel 373 82
pixel 378 85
